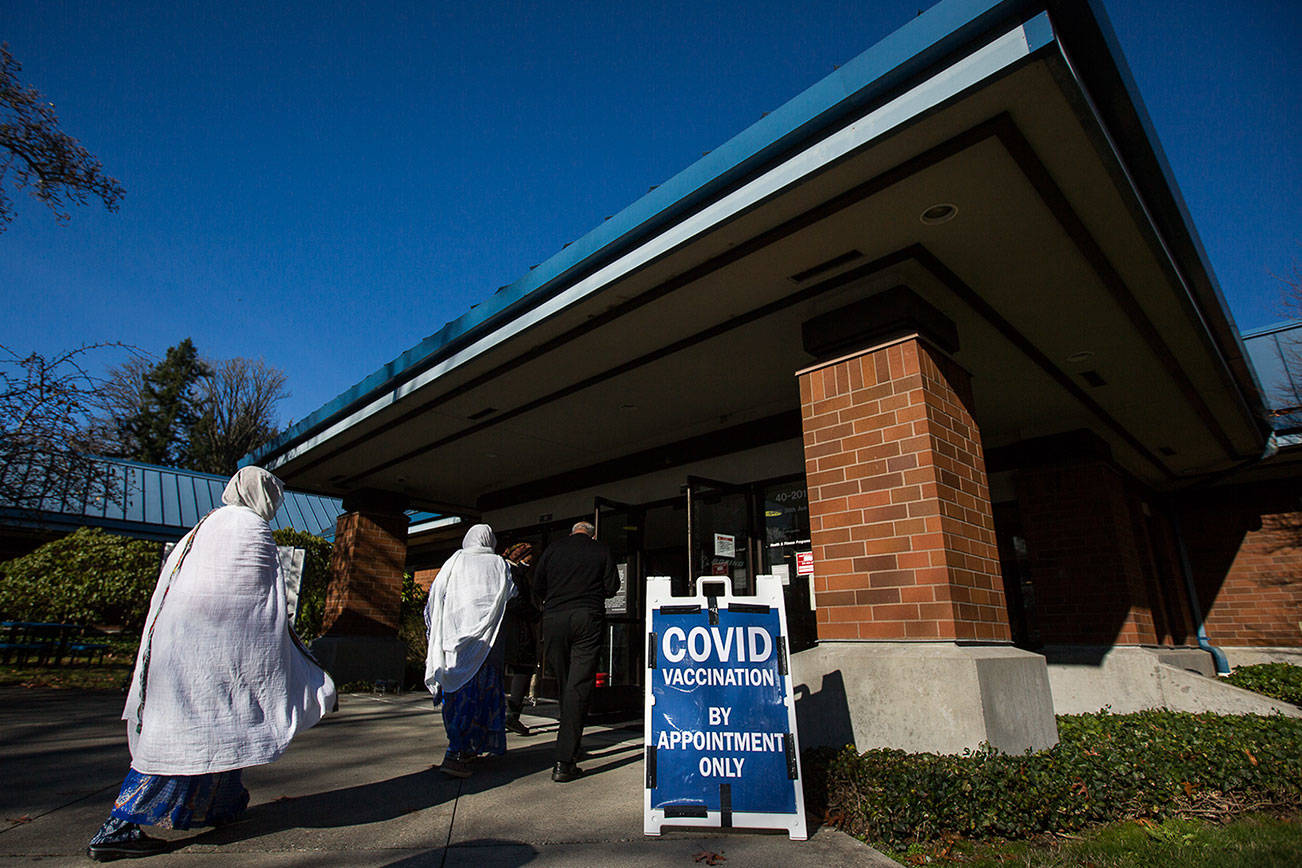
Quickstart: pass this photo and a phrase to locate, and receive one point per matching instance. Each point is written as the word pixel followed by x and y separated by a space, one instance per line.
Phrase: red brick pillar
pixel 899 505
pixel 366 566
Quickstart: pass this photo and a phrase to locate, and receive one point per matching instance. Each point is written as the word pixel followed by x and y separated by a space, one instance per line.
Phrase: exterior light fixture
pixel 941 212
pixel 1080 358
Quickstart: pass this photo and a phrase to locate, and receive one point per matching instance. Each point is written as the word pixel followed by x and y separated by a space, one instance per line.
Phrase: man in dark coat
pixel 573 578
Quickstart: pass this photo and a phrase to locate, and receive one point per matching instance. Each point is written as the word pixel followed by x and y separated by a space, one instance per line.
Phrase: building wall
pixel 1086 558
pixel 1245 548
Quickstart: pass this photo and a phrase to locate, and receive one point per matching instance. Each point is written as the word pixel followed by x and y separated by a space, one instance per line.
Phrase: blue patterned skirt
pixel 475 715
pixel 177 801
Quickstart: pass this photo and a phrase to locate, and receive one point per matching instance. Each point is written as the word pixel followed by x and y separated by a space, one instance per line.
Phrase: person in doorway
pixel 221 682
pixel 467 604
pixel 573 578
pixel 519 636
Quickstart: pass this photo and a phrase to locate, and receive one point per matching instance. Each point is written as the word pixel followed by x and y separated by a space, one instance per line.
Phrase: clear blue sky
pixel 322 184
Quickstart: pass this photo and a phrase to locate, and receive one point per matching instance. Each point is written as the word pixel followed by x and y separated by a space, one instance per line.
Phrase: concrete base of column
pixel 940 697
pixel 1128 678
pixel 361 658
pixel 1252 656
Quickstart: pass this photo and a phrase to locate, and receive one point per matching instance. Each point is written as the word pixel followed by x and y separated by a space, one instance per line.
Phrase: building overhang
pixel 1080 293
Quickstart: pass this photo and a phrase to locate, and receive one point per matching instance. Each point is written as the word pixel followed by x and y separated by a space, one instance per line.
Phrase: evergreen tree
pixel 160 432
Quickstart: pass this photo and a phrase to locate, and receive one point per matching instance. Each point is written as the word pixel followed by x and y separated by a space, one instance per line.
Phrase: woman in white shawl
pixel 221 682
pixel 464 615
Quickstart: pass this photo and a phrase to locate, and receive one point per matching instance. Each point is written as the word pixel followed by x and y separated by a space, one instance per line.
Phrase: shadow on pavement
pixel 500 853
pixel 396 797
pixel 348 806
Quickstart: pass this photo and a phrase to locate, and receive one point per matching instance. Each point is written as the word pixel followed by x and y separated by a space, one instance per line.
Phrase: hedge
pixel 1106 767
pixel 316 579
pixel 95 577
pixel 88 577
pixel 411 630
pixel 1276 680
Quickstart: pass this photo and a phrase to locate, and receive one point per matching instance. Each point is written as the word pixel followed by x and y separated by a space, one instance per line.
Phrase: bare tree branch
pixel 47 435
pixel 238 413
pixel 36 154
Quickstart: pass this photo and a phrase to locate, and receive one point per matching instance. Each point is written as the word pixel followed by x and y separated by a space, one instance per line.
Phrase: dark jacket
pixel 575 572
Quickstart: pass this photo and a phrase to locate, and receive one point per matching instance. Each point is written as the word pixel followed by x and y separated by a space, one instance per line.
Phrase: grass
pixel 1253 841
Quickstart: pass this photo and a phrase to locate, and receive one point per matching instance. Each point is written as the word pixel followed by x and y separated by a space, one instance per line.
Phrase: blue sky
pixel 323 184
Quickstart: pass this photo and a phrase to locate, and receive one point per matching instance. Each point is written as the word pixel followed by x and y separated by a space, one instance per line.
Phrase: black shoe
pixel 515 726
pixel 456 767
pixel 563 773
pixel 135 847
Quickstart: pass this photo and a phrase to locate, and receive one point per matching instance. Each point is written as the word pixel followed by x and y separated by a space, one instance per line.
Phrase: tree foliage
pixel 47 435
pixel 316 579
pixel 185 411
pixel 57 419
pixel 237 413
pixel 169 400
pixel 36 155
pixel 87 577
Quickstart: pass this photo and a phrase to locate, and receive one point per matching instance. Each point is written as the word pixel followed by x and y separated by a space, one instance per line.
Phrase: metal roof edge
pixel 179 471
pixel 1271 329
pixel 921 45
pixel 1087 33
pixel 936 35
pixel 319 520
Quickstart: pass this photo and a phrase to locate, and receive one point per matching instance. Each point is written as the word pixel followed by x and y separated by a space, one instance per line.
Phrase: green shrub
pixel 316 579
pixel 1152 764
pixel 1276 680
pixel 88 577
pixel 411 630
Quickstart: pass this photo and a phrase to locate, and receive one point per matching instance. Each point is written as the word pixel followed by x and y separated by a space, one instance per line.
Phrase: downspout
pixel 1222 665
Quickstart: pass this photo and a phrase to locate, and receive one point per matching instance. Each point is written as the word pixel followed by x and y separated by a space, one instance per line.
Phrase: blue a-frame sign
pixel 721 742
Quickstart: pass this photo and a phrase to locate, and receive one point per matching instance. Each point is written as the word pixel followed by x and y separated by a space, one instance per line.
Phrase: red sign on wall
pixel 804 563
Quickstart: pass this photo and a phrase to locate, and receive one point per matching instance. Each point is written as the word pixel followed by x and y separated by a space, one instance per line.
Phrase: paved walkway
pixel 360 789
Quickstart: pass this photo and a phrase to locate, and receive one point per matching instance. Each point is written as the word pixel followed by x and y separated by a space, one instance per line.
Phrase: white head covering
pixel 227 685
pixel 464 612
pixel 255 488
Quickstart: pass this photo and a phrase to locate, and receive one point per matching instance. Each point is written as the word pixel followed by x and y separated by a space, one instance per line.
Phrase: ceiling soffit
pixel 713 326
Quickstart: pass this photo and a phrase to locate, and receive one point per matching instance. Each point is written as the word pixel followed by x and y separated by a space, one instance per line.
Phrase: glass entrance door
pixel 721 533
pixel 619 525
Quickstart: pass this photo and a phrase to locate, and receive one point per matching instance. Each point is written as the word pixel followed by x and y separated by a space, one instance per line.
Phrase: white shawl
pixel 228 686
pixel 465 609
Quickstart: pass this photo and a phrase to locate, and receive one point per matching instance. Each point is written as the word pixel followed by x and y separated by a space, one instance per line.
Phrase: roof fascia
pixel 914 51
pixel 1094 52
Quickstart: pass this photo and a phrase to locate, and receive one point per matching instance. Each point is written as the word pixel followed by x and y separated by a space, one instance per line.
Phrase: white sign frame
pixel 768 592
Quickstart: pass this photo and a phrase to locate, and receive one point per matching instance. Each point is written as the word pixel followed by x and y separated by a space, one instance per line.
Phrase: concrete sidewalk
pixel 361 789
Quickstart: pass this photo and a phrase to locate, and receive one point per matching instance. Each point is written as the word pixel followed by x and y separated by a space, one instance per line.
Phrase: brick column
pixel 899 505
pixel 366 567
pixel 360 642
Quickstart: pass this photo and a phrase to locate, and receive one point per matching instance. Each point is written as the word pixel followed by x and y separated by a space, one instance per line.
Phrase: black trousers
pixel 572 644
